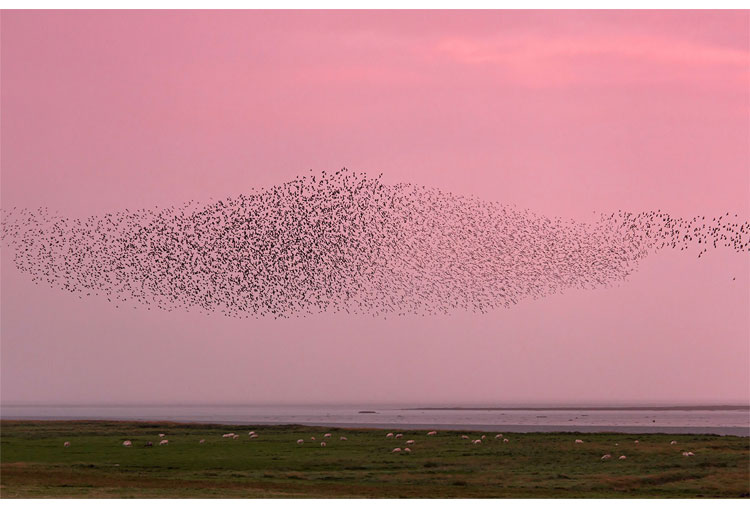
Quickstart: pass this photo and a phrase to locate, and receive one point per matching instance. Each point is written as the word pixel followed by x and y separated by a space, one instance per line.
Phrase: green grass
pixel 34 463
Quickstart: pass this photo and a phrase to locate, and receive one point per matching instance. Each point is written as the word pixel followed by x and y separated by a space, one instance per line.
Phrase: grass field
pixel 34 463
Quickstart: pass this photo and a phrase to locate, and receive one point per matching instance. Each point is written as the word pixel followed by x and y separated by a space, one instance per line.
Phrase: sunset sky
pixel 567 113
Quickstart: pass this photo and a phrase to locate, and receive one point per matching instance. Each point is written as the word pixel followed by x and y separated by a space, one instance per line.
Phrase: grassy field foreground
pixel 34 463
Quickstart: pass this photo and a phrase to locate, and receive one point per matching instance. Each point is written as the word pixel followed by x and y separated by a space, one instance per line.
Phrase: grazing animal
pixel 343 438
pixel 673 442
pixel 148 444
pixel 164 442
pixel 202 441
pixel 505 440
pixel 477 441
pixel 409 442
pixel 688 453
pixel 235 437
pixel 579 441
pixel 465 437
pixel 312 438
pixel 127 443
pixel 66 444
pixel 431 433
pixel 327 435
pixel 227 435
pixel 161 435
pixel 301 441
pixel 254 435
pixel 499 435
pixel 397 449
pixel 606 456
pixel 389 435
pixel 251 433
pixel 399 435
pixel 483 437
pixel 623 457
pixel 322 444
pixel 636 442
pixel 406 449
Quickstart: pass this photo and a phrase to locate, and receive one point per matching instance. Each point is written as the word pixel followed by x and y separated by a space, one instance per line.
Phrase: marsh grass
pixel 34 463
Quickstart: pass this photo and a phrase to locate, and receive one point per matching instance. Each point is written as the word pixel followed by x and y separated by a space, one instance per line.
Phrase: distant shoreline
pixel 592 409
pixel 738 431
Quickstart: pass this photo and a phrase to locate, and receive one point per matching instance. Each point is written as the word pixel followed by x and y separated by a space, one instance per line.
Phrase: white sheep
pixel 301 441
pixel 389 435
pixel 477 441
pixel 343 438
pixel 164 442
pixel 483 437
pixel 406 449
pixel 127 443
pixel 397 449
pixel 327 435
pixel 579 441
pixel 499 435
pixel 606 456
pixel 673 442
pixel 465 437
pixel 431 433
pixel 409 442
pixel 399 435
pixel 622 457
pixel 505 440
pixel 161 435
pixel 227 435
pixel 66 444
pixel 202 441
pixel 254 435
pixel 322 444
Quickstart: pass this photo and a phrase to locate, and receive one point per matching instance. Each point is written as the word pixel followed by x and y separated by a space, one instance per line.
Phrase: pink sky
pixel 562 112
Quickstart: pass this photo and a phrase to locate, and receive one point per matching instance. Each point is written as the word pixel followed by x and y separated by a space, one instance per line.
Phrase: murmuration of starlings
pixel 344 242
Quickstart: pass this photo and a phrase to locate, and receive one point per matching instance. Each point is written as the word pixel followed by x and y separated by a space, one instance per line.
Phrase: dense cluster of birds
pixel 344 242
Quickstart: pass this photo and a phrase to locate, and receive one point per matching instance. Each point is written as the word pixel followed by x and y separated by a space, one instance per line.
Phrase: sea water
pixel 715 420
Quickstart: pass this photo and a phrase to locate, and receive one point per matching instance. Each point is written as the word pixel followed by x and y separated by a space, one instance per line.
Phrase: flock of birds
pixel 344 242
pixel 396 450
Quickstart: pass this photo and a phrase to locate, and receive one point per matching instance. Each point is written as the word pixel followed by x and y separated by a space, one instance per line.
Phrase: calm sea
pixel 715 420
